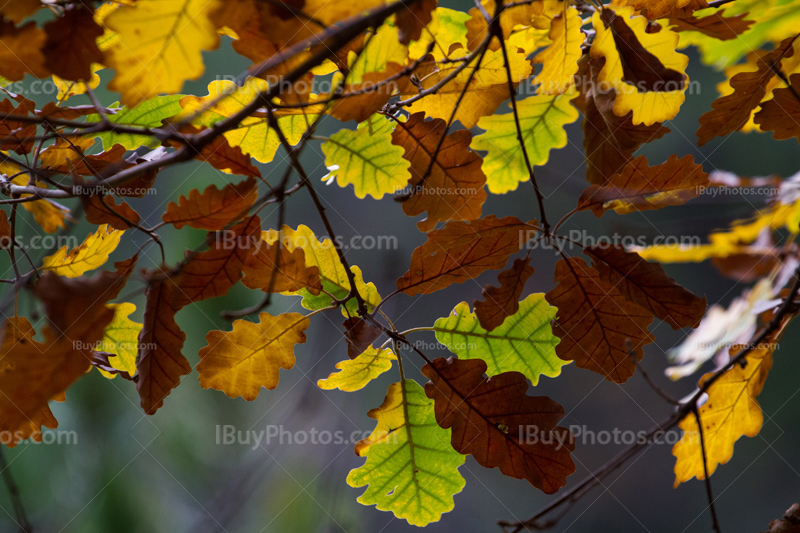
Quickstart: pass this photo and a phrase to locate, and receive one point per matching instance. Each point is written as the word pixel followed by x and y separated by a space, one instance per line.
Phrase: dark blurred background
pixel 167 473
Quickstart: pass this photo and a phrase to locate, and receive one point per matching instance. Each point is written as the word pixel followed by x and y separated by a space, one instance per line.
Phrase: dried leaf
pixel 494 420
pixel 599 329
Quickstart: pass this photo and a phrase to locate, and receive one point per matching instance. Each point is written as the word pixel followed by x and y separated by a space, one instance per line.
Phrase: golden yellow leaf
pixel 354 374
pixel 253 134
pixel 91 254
pixel 560 60
pixel 730 412
pixel 121 338
pixel 241 361
pixel 160 45
pixel 644 68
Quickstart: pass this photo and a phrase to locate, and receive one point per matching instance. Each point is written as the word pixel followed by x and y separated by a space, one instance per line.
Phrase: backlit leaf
pixel 91 254
pixel 159 46
pixel 503 301
pixel 494 420
pixel 599 329
pixel 454 188
pixel 366 159
pixel 542 120
pixel 523 343
pixel 213 209
pixel 121 338
pixel 411 468
pixel 355 374
pixel 640 187
pixel 241 361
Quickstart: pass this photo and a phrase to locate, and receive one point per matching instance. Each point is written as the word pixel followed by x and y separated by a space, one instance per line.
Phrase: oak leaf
pixel 290 272
pixel 159 46
pixel 354 374
pixel 647 285
pixel 560 60
pixel 454 188
pixel 367 159
pixel 411 468
pixel 599 329
pixel 492 419
pixel 523 343
pixel 71 46
pixel 159 362
pixel 782 113
pixel 731 112
pixel 542 120
pixel 470 249
pixel 503 301
pixel 643 68
pixel 212 273
pixel 640 187
pixel 213 209
pixel 21 51
pixel 730 412
pixel 89 255
pixel 241 361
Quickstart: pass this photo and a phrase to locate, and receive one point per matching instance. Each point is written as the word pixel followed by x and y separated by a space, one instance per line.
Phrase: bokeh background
pixel 167 473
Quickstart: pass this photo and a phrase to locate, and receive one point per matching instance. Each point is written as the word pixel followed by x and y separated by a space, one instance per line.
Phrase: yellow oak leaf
pixel 253 134
pixel 121 338
pixel 560 60
pixel 159 46
pixel 730 412
pixel 644 69
pixel 354 374
pixel 323 255
pixel 91 254
pixel 241 361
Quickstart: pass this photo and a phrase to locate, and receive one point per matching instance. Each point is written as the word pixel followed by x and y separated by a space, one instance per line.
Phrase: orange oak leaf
pixel 781 114
pixel 159 363
pixel 369 95
pixel 454 190
pixel 102 209
pixel 501 426
pixel 212 273
pixel 71 45
pixel 213 209
pixel 290 272
pixel 15 135
pixel 241 361
pixel 731 112
pixel 599 329
pixel 21 51
pixel 462 250
pixel 32 374
pixel 647 285
pixel 503 301
pixel 640 187
pixel 76 306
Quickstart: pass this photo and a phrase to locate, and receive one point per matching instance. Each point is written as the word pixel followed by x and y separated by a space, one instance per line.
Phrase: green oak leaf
pixel 524 342
pixel 367 159
pixel 148 114
pixel 542 119
pixel 411 467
